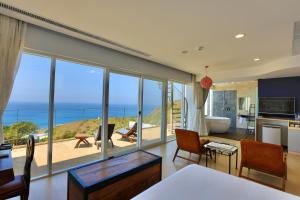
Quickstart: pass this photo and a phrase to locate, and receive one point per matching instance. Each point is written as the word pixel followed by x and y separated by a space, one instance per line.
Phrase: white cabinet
pixel 294 140
pixel 271 134
pixel 294 136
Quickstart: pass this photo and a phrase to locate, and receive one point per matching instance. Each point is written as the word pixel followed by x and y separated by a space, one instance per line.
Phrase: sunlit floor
pixel 55 187
pixel 65 155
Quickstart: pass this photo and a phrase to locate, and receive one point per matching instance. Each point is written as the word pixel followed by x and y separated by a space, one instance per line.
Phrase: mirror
pixel 244 103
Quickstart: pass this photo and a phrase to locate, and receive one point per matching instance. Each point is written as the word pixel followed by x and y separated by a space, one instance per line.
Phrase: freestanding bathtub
pixel 217 124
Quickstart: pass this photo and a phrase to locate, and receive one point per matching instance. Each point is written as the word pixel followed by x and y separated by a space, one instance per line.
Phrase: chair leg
pixel 240 171
pixel 112 144
pixel 24 195
pixel 285 170
pixel 176 152
pixel 210 154
pixel 283 184
pixel 199 159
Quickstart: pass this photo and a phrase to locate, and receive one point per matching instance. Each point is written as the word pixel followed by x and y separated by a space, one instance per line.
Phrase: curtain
pixel 199 97
pixel 12 34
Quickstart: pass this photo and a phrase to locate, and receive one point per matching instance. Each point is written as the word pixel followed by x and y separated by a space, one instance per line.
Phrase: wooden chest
pixel 120 177
pixel 6 167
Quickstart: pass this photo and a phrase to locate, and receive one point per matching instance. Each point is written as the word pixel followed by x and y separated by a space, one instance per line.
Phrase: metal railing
pixel 182 111
pixel 81 117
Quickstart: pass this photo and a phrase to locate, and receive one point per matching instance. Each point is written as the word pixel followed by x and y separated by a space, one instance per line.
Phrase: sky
pixel 77 83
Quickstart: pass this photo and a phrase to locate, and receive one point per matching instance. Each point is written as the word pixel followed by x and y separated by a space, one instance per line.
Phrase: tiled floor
pixel 55 187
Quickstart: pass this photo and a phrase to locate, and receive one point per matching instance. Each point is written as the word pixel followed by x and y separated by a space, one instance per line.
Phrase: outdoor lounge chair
pixel 97 135
pixel 129 133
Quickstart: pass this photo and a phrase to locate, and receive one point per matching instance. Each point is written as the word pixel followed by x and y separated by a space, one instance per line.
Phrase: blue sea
pixel 66 112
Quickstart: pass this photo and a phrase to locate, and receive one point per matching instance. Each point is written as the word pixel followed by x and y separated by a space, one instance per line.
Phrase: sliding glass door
pixel 27 113
pixel 123 112
pixel 152 111
pixel 77 114
pixel 69 96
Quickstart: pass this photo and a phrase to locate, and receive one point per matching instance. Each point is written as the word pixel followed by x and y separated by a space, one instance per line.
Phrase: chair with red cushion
pixel 264 157
pixel 20 185
pixel 189 141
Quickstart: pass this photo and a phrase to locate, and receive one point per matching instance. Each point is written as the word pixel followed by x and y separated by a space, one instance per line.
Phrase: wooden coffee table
pixel 81 138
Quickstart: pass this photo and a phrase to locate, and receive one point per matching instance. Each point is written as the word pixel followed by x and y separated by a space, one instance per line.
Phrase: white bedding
pixel 196 182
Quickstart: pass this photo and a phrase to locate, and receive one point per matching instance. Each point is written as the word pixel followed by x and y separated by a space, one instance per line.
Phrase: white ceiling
pixel 165 28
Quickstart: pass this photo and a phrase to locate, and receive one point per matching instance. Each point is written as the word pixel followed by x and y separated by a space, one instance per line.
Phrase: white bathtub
pixel 217 124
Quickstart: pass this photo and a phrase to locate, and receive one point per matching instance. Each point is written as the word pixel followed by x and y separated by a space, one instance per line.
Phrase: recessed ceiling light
pixel 184 51
pixel 256 59
pixel 240 35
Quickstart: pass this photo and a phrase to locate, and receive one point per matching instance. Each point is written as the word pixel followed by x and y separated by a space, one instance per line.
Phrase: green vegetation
pixel 19 130
pixel 154 117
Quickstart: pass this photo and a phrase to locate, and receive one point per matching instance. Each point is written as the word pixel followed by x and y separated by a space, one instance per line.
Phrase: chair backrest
pixel 133 129
pixel 188 140
pixel 263 157
pixel 29 158
pixel 110 130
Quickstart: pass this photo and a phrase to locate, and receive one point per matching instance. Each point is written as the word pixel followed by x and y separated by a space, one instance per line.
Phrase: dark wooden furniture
pixel 222 151
pixel 6 168
pixel 81 138
pixel 20 185
pixel 120 177
pixel 128 134
pixel 266 158
pixel 189 141
pixel 110 131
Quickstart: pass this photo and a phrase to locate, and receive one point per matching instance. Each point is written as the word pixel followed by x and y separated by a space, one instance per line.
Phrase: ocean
pixel 67 112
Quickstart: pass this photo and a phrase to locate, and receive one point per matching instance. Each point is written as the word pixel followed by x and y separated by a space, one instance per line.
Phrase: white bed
pixel 196 182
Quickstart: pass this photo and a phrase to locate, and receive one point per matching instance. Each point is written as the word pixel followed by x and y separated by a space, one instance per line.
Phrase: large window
pixel 123 112
pixel 62 100
pixel 77 114
pixel 152 111
pixel 27 113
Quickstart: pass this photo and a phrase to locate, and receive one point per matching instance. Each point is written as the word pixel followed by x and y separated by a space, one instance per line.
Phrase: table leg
pixel 236 159
pixel 229 164
pixel 206 157
pixel 78 142
pixel 215 156
pixel 85 141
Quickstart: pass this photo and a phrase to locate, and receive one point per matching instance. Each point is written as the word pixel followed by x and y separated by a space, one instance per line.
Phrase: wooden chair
pixel 189 141
pixel 20 185
pixel 264 157
pixel 97 135
pixel 128 134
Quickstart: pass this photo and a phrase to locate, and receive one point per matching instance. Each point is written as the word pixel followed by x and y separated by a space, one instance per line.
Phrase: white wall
pixel 191 107
pixel 47 41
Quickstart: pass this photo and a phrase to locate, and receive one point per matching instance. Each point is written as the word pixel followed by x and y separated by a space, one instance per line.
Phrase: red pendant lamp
pixel 206 82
